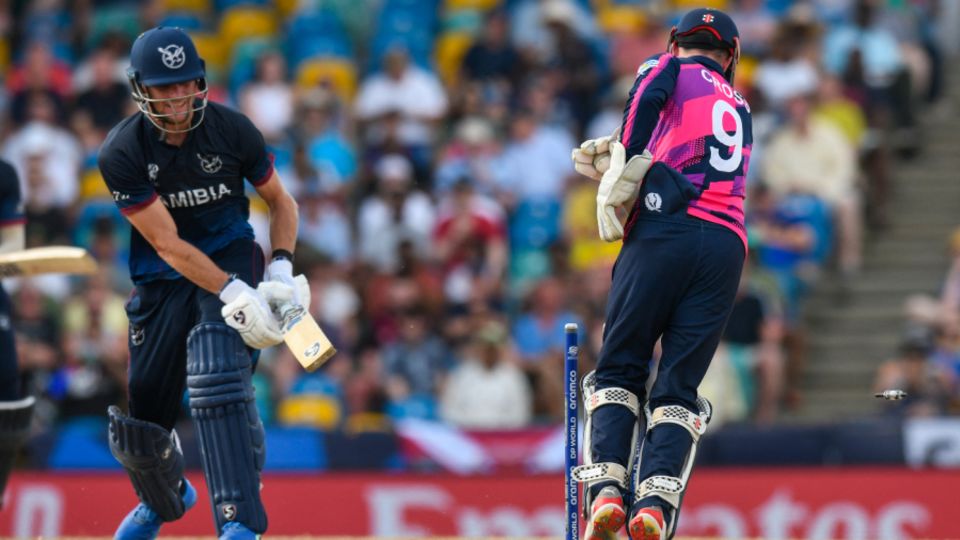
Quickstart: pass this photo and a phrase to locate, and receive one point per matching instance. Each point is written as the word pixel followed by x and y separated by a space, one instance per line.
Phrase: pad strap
pixel 668 488
pixel 595 472
pixel 694 423
pixel 615 396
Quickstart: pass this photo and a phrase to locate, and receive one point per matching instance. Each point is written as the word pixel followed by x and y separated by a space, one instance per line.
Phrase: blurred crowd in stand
pixel 445 234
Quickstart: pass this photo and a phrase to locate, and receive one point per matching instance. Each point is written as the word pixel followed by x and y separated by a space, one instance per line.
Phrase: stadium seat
pixel 483 5
pixel 620 19
pixel 449 50
pixel 224 5
pixel 197 7
pixel 82 444
pixel 462 20
pixel 243 60
pixel 92 185
pixel 684 5
pixel 339 74
pixel 314 45
pixel 183 19
pixel 321 411
pixel 211 49
pixel 244 22
pixel 122 19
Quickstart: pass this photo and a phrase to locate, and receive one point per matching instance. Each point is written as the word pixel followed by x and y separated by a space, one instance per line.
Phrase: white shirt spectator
pixel 61 158
pixel 396 213
pixel 477 397
pixel 413 92
pixel 536 165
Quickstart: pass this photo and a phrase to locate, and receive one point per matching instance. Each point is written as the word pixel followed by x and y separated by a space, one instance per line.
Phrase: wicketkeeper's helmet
pixel 161 56
pixel 707 28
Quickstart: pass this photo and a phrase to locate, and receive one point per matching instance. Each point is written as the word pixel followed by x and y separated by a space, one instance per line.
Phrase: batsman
pixel 176 170
pixel 677 169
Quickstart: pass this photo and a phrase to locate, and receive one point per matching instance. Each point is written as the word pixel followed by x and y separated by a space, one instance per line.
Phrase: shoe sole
pixel 606 521
pixel 646 527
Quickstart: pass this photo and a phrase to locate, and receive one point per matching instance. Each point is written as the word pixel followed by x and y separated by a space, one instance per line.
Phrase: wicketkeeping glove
pixel 248 313
pixel 592 159
pixel 619 187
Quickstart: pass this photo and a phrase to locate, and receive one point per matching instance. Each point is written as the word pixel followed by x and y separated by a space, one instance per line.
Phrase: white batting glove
pixel 248 313
pixel 619 187
pixel 592 159
pixel 281 270
pixel 277 293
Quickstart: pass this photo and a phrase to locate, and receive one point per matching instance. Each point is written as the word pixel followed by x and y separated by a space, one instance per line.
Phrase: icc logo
pixel 210 165
pixel 172 56
pixel 653 202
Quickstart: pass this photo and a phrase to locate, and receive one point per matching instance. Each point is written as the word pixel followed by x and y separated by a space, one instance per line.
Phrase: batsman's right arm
pixel 156 225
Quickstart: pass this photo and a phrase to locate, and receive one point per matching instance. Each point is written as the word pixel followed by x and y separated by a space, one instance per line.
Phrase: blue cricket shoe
pixel 237 531
pixel 142 523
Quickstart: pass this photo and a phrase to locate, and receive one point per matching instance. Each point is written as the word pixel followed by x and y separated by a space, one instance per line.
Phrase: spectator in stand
pixel 753 339
pixel 487 390
pixel 403 102
pixel 95 349
pixel 106 100
pixel 268 99
pixel 39 74
pixel 757 24
pixel 395 213
pixel 492 59
pixel 36 325
pixel 532 142
pixel 471 153
pixel 926 384
pixel 470 243
pixel 785 71
pixel 539 335
pixel 417 356
pixel 813 157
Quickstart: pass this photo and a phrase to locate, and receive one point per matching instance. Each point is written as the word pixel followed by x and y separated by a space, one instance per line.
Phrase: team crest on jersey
pixel 645 67
pixel 152 170
pixel 136 335
pixel 653 202
pixel 210 164
pixel 172 56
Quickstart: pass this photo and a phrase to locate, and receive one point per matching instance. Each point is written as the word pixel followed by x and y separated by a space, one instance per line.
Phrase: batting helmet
pixel 162 56
pixel 707 28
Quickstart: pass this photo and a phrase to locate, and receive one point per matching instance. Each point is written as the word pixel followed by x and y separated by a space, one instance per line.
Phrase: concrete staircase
pixel 849 339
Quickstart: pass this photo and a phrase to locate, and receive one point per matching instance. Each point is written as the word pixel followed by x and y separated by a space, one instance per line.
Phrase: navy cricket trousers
pixel 675 280
pixel 161 315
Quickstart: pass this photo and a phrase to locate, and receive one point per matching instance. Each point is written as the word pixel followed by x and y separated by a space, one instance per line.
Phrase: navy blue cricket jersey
pixel 11 207
pixel 200 182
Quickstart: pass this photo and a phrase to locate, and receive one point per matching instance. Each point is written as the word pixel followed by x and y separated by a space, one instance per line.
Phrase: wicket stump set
pixel 571 408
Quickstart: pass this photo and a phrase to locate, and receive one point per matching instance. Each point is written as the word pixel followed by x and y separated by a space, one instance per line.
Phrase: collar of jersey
pixel 708 62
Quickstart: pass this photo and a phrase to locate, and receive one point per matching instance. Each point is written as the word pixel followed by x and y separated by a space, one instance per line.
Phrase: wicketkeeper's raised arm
pixel 655 82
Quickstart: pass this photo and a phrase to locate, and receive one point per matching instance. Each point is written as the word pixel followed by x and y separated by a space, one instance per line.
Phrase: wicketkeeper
pixel 677 169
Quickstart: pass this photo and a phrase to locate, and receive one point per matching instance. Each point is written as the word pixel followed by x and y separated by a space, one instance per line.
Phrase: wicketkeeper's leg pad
pixel 670 488
pixel 228 424
pixel 153 460
pixel 597 474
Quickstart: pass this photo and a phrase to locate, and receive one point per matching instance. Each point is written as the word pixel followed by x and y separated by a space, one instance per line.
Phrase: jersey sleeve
pixel 656 79
pixel 257 163
pixel 129 185
pixel 11 207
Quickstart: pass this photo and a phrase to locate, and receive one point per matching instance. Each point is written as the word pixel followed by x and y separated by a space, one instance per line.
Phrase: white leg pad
pixel 591 473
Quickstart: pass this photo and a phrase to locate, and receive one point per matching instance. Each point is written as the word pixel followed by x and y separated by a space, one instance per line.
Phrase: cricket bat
pixel 304 337
pixel 47 260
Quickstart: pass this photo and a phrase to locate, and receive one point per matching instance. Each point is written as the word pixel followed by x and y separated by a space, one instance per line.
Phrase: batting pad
pixel 228 425
pixel 152 458
pixel 14 427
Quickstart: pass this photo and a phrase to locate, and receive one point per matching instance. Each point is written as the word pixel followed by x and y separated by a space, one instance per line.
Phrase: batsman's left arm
pixel 284 213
